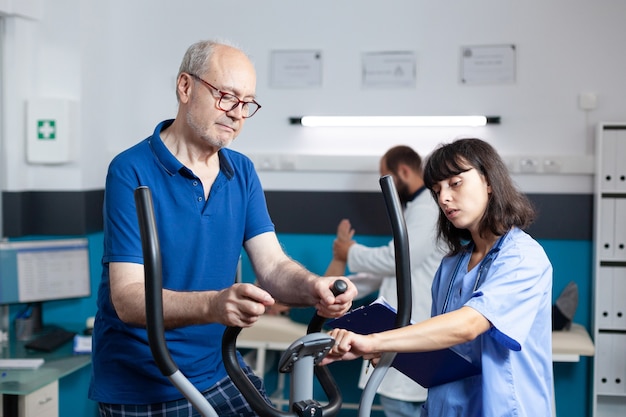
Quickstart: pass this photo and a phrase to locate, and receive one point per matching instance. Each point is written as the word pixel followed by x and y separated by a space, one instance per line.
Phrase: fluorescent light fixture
pixel 394 121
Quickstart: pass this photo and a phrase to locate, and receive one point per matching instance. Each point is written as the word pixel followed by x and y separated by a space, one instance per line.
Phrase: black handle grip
pixel 153 281
pixel 339 287
pixel 317 322
pixel 401 248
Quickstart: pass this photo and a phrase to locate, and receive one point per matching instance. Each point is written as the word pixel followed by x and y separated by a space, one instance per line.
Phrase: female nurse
pixel 491 294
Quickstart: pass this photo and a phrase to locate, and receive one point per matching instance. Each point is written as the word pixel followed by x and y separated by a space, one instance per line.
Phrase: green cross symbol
pixel 46 129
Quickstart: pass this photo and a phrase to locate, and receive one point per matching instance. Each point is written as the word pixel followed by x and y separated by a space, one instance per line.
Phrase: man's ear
pixel 183 87
pixel 403 171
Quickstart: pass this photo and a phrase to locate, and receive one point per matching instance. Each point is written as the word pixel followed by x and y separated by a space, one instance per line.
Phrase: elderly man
pixel 208 205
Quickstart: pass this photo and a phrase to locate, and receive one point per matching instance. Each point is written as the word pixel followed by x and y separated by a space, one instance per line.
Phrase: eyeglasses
pixel 229 102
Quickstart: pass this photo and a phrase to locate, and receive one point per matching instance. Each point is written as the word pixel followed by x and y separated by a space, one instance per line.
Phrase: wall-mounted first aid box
pixel 51 130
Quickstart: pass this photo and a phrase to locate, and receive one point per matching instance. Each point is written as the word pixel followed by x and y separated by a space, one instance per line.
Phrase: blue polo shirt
pixel 200 246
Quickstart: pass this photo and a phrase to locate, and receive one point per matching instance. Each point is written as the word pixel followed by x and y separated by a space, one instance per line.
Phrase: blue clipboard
pixel 428 369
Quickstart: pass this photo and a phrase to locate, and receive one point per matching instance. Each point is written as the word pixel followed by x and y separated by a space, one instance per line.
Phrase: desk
pixel 569 346
pixel 17 385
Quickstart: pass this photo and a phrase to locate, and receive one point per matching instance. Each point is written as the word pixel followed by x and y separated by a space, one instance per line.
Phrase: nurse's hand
pixel 349 346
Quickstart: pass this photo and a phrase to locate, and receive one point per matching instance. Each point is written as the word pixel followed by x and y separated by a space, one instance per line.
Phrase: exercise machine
pixel 301 358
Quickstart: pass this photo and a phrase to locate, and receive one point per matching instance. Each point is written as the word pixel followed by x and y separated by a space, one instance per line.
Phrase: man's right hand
pixel 240 305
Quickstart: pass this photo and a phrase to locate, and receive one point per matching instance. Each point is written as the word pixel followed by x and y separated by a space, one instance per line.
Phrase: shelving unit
pixel 609 393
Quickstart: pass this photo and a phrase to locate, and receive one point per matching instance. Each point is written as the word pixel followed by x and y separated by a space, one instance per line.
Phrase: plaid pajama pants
pixel 224 397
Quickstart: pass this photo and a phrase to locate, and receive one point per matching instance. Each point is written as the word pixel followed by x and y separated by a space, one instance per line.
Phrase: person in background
pixel 374 268
pixel 491 296
pixel 208 204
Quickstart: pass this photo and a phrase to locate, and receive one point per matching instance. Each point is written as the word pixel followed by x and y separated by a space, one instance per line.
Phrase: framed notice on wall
pixel 490 64
pixel 296 69
pixel 389 69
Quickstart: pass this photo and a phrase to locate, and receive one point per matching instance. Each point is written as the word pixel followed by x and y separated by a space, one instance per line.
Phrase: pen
pixel 369 365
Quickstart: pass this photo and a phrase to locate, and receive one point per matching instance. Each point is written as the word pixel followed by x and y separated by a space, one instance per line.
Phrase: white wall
pixel 119 59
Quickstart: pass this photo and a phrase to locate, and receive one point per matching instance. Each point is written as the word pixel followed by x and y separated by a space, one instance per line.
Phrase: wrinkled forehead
pixel 230 69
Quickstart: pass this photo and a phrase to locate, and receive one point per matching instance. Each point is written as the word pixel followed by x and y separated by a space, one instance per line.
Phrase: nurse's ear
pixel 485 179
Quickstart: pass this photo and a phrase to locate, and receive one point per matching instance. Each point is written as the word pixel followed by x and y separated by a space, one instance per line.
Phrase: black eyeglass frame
pixel 224 94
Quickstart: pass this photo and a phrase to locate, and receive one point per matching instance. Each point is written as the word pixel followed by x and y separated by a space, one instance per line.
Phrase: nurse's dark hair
pixel 507 206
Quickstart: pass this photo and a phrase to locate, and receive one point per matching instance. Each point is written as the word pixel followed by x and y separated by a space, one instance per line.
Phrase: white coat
pixel 374 269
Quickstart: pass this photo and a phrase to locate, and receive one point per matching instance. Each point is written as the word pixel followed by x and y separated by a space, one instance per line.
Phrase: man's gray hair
pixel 198 57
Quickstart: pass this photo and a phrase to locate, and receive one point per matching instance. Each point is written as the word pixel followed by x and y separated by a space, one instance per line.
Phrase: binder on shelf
pixel 428 369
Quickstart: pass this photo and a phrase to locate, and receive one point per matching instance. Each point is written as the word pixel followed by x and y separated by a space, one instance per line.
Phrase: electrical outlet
pixel 287 163
pixel 529 165
pixel 587 101
pixel 266 162
pixel 551 165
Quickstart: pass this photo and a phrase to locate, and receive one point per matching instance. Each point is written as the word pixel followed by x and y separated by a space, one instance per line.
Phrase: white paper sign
pixel 488 64
pixel 296 69
pixel 389 69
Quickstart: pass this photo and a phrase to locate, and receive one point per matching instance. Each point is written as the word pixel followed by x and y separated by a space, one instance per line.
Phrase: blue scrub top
pixel 515 295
